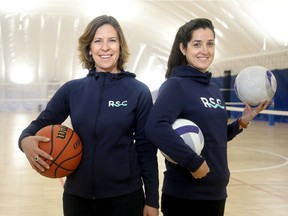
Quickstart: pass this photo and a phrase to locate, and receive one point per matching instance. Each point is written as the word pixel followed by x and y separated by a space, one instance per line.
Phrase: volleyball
pixel 255 84
pixel 190 133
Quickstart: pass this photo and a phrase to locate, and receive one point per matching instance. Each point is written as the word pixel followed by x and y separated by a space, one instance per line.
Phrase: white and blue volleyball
pixel 255 84
pixel 190 133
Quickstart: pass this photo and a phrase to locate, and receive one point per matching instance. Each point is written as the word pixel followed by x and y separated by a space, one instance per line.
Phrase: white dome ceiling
pixel 42 35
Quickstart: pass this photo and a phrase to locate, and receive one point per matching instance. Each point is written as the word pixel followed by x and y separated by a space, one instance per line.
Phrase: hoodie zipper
pixel 102 85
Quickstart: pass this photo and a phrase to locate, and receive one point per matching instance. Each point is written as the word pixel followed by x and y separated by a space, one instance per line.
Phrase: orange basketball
pixel 65 147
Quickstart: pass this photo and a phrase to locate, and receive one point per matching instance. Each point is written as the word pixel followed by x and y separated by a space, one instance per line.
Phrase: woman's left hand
pixel 150 211
pixel 249 113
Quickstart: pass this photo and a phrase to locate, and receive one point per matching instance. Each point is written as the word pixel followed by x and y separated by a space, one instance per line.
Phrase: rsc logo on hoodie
pixel 117 103
pixel 212 103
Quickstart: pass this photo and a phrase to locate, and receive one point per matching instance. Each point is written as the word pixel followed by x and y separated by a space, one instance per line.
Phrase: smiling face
pixel 105 49
pixel 200 49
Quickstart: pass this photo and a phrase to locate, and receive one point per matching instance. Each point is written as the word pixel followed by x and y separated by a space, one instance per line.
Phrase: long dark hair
pixel 184 35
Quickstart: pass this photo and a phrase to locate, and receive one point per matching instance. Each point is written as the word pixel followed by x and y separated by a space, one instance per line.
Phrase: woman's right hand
pixel 33 153
pixel 202 171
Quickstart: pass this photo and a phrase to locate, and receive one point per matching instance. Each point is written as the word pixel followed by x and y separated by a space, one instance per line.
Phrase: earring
pixel 90 59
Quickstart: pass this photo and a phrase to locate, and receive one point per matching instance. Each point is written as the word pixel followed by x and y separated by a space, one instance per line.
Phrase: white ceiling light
pixel 121 10
pixel 21 74
pixel 272 16
pixel 13 6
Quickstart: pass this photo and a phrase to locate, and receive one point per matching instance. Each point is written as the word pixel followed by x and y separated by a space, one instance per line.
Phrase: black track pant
pixel 172 206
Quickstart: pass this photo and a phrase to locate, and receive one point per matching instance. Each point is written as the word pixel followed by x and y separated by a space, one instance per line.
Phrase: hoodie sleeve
pixel 167 108
pixel 147 152
pixel 56 112
pixel 233 130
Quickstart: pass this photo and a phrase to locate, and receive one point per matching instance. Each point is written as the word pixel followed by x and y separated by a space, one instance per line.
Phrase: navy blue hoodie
pixel 190 94
pixel 108 111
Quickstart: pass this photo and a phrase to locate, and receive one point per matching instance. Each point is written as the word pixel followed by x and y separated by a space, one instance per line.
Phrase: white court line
pixel 263 168
pixel 271 112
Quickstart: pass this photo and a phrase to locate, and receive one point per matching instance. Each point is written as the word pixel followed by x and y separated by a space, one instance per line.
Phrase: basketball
pixel 65 147
pixel 255 84
pixel 190 133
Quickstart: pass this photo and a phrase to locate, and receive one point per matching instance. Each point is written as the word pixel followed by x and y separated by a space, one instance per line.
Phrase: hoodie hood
pixel 188 71
pixel 118 76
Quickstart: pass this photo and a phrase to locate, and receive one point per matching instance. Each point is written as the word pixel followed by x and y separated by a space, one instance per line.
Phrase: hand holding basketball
pixel 29 145
pixel 64 146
